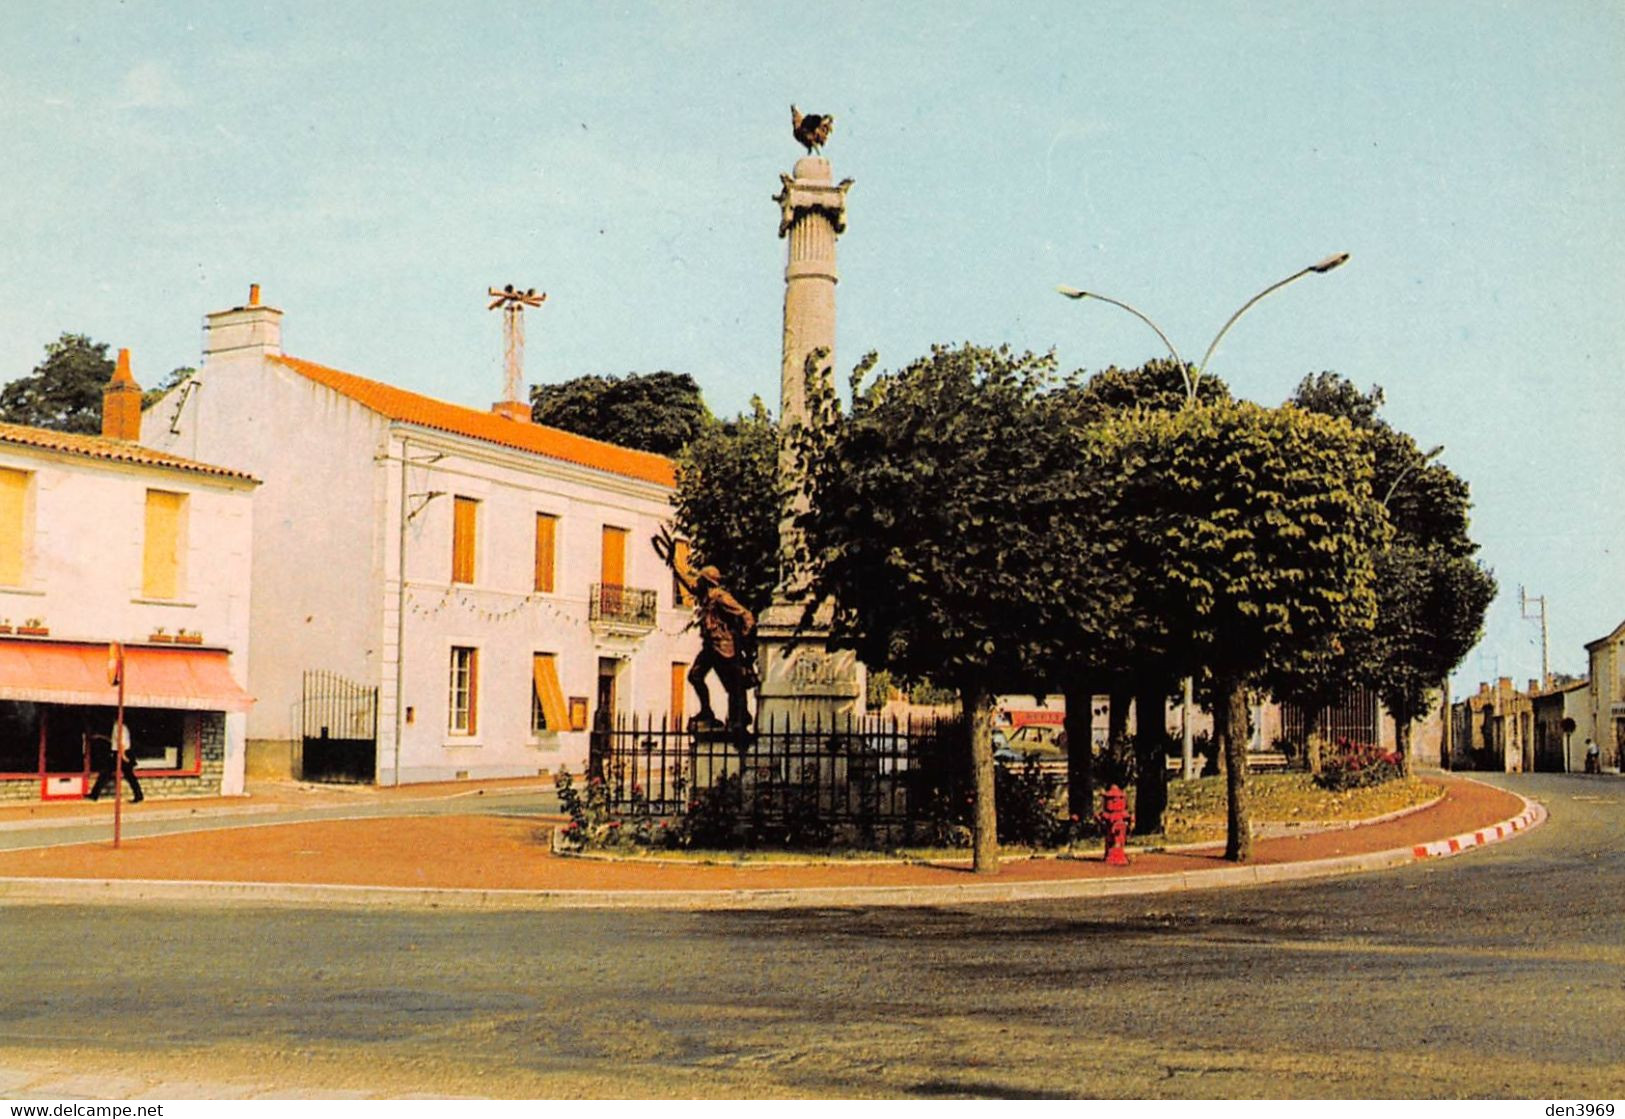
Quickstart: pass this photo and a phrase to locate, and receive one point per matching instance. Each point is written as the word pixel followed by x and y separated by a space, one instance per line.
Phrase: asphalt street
pixel 1498 973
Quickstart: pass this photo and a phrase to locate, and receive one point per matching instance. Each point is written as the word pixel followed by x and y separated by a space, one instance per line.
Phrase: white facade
pixel 359 488
pixel 1606 657
pixel 83 538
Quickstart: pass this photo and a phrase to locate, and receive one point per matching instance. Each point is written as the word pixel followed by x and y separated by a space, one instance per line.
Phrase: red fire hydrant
pixel 1117 820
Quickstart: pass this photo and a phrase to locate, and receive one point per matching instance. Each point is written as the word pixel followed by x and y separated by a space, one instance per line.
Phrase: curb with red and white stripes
pixel 1533 815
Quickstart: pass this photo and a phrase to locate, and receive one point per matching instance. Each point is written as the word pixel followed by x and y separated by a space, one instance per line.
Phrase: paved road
pixel 1498 973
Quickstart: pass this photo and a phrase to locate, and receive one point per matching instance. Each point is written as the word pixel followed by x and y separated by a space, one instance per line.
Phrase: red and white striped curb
pixel 1531 816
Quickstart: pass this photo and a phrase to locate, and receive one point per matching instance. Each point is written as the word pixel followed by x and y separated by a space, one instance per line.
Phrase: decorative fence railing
pixel 865 771
pixel 631 606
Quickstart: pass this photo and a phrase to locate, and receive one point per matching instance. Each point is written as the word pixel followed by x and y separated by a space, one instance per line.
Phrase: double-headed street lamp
pixel 1192 379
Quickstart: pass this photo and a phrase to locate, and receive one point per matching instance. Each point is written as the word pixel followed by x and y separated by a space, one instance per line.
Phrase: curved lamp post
pixel 1192 379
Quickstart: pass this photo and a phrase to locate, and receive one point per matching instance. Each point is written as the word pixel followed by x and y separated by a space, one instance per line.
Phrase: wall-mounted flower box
pixel 5 627
pixel 184 638
pixel 159 637
pixel 33 631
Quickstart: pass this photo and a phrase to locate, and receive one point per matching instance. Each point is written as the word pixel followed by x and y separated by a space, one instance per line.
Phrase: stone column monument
pixel 800 680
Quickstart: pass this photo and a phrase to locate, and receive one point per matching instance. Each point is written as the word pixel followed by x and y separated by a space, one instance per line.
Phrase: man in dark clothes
pixel 102 758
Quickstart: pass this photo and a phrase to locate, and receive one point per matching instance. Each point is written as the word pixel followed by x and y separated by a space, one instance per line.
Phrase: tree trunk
pixel 1080 750
pixel 1402 741
pixel 977 704
pixel 1119 695
pixel 1238 845
pixel 1448 729
pixel 1151 759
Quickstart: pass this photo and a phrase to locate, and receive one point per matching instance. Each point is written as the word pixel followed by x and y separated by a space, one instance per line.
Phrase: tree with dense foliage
pixel 939 527
pixel 1432 595
pixel 177 376
pixel 1253 533
pixel 1118 644
pixel 729 501
pixel 659 412
pixel 64 392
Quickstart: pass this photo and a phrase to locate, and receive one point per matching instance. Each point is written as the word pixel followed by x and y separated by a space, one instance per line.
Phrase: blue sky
pixel 377 166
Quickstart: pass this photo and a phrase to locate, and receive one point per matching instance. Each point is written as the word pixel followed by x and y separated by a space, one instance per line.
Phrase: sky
pixel 377 166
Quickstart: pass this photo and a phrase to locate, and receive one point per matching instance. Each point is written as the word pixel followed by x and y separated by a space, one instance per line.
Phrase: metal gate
pixel 340 729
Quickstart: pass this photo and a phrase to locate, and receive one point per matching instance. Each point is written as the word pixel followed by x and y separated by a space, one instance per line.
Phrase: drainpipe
pixel 400 621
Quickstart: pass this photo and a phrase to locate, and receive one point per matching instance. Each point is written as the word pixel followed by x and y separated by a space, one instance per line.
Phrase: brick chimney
pixel 516 410
pixel 251 328
pixel 121 403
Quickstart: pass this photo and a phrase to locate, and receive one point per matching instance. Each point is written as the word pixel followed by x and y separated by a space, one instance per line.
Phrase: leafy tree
pixel 1118 641
pixel 1251 532
pixel 659 412
pixel 934 509
pixel 729 500
pixel 64 392
pixel 177 376
pixel 1432 595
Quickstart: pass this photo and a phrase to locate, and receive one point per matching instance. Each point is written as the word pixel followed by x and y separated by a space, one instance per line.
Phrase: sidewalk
pixel 264 797
pixel 488 861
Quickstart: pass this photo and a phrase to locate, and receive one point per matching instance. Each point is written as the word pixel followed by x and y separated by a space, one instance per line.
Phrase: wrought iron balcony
pixel 617 609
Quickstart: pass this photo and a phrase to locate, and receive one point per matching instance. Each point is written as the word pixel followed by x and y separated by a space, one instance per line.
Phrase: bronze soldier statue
pixel 727 645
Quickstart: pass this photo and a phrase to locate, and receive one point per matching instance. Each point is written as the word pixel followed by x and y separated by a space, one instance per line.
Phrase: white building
pixel 479 588
pixel 103 540
pixel 1606 657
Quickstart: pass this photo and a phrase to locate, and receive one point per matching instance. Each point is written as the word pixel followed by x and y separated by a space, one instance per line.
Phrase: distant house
pixel 1607 657
pixel 103 540
pixel 1494 729
pixel 441 592
pixel 1562 726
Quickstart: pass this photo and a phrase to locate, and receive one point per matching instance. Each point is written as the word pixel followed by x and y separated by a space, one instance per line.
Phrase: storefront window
pixel 19 737
pixel 161 740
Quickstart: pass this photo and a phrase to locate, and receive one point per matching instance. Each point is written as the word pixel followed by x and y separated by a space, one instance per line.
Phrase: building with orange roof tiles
pixel 105 541
pixel 440 592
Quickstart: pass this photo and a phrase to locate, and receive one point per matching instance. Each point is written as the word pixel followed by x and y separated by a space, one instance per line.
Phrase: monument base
pixel 801 680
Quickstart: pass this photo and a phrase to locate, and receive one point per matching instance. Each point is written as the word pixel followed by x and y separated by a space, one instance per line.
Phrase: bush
pixel 1356 765
pixel 1029 806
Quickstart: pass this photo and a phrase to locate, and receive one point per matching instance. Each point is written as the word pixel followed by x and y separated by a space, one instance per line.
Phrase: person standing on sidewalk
pixel 1593 757
pixel 104 758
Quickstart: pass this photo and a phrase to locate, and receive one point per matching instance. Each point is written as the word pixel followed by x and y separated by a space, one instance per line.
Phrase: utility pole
pixel 1545 658
pixel 513 303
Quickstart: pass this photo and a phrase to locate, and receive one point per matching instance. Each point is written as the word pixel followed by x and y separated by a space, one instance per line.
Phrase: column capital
pixel 804 194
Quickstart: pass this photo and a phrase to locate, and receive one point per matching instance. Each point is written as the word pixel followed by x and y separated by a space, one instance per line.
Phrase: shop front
pixel 57 711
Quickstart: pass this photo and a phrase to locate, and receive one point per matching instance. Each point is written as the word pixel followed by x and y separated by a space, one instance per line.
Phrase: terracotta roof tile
pixel 113 450
pixel 550 442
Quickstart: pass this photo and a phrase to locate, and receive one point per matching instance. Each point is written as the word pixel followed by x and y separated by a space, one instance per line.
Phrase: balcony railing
pixel 625 609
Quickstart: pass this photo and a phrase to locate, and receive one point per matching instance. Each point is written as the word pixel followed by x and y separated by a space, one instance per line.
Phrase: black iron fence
pixel 611 602
pixel 868 771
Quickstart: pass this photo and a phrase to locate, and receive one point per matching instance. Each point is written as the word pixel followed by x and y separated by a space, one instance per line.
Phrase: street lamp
pixel 1194 378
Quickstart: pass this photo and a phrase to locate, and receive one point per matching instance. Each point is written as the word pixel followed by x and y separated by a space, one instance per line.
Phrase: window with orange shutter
pixel 547 531
pixel 464 529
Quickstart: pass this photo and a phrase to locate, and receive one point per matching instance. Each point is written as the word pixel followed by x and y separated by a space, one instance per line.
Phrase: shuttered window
pixel 613 572
pixel 547 709
pixel 13 525
pixel 679 691
pixel 680 596
pixel 547 533
pixel 464 526
pixel 161 551
pixel 464 691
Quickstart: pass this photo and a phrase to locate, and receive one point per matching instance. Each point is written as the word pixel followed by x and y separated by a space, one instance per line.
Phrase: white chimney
pixel 251 327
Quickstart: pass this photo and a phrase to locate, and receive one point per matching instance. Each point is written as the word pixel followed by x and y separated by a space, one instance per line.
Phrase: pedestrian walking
pixel 104 759
pixel 1593 757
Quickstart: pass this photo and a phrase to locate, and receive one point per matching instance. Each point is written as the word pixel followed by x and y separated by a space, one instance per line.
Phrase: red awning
pixel 63 672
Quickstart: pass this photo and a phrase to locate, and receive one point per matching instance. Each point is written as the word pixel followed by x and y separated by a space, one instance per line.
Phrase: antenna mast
pixel 1545 661
pixel 513 303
